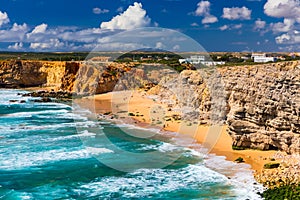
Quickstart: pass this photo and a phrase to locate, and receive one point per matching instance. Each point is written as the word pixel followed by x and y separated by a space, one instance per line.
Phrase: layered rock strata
pixel 260 103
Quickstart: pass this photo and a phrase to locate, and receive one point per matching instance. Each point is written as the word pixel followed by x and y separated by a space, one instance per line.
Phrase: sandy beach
pixel 137 108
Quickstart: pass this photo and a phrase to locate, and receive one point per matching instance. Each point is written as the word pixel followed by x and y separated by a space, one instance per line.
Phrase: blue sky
pixel 217 25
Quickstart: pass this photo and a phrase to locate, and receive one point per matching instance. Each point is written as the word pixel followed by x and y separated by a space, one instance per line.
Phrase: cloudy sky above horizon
pixel 73 25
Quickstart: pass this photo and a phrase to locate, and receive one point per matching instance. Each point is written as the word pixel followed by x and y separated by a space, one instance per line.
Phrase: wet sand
pixel 138 109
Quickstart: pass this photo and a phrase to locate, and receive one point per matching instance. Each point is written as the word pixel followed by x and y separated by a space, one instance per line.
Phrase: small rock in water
pixel 13 101
pixel 44 99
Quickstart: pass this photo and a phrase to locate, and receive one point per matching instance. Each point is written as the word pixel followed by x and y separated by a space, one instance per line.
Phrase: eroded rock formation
pixel 264 106
pixel 14 74
pixel 260 103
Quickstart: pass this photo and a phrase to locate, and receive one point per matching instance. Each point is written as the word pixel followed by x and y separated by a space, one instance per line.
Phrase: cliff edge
pixel 260 103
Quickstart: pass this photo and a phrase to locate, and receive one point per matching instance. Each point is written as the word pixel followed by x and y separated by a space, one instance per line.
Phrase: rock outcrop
pixel 260 103
pixel 15 74
pixel 264 102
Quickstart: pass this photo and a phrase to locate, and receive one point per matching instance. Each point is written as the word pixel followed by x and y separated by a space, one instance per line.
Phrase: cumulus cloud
pixel 209 19
pixel 237 26
pixel 231 27
pixel 259 24
pixel 98 11
pixel 159 45
pixel 283 9
pixel 203 10
pixel 53 43
pixel 289 38
pixel 286 26
pixel 17 46
pixel 194 24
pixel 16 33
pixel 134 17
pixel 3 18
pixel 17 27
pixel 237 13
pixel 224 27
pixel 40 29
pixel 289 10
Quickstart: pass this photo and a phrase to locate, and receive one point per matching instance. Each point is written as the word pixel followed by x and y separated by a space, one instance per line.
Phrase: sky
pixel 216 25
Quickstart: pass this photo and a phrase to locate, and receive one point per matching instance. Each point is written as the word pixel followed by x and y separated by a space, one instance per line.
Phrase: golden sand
pixel 148 112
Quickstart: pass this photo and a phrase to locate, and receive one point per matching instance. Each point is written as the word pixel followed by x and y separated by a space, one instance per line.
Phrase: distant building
pixel 100 59
pixel 262 58
pixel 195 60
pixel 294 54
pixel 245 58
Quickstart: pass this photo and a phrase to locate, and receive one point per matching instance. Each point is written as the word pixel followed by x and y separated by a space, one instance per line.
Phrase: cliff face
pixel 96 78
pixel 260 103
pixel 264 104
pixel 14 74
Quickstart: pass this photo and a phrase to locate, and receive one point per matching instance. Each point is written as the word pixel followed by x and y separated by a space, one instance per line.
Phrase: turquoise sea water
pixel 45 154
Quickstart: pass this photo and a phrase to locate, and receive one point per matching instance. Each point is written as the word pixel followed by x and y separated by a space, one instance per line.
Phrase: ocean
pixel 48 151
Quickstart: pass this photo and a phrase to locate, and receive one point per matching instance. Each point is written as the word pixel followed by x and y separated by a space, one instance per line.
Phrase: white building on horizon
pixel 200 59
pixel 262 58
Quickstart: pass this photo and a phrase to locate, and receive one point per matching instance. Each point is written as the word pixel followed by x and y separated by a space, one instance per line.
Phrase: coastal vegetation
pixel 286 192
pixel 271 165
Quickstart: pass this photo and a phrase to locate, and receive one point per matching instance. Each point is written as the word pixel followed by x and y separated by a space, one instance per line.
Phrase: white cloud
pixel 15 34
pixel 289 38
pixel 17 27
pixel 289 10
pixel 237 26
pixel 236 13
pixel 209 19
pixel 286 26
pixel 231 27
pixel 134 17
pixel 194 24
pixel 203 10
pixel 98 11
pixel 259 24
pixel 159 45
pixel 52 44
pixel 283 9
pixel 16 46
pixel 38 32
pixel 3 18
pixel 176 47
pixel 223 28
pixel 39 29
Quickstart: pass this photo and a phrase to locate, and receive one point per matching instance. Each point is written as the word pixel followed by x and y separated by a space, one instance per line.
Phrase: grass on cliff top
pixel 287 192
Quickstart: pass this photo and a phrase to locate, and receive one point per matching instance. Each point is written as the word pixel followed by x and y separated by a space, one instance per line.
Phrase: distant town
pixel 212 58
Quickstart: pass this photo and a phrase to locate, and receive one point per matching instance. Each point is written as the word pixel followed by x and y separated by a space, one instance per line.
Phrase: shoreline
pixel 141 110
pixel 144 112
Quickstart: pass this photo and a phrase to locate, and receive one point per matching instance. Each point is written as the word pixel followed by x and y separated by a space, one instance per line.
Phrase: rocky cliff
pixel 264 102
pixel 260 103
pixel 15 74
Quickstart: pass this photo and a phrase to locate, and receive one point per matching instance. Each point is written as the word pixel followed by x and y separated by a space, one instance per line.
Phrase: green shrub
pixel 131 114
pixel 238 148
pixel 271 165
pixel 289 192
pixel 239 160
